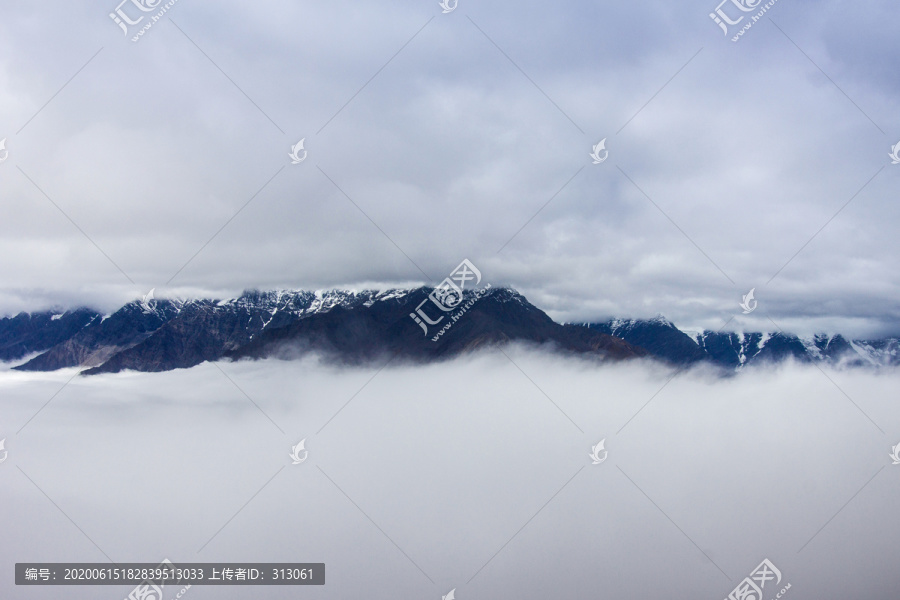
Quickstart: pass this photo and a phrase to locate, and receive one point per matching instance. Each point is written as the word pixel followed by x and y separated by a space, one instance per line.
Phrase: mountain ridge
pixel 356 327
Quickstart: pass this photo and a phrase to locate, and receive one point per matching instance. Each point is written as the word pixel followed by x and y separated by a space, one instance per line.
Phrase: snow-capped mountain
pixel 348 326
pixel 737 350
pixel 27 333
pixel 361 326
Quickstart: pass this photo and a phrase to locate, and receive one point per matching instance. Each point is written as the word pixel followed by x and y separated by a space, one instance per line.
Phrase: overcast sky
pixel 435 137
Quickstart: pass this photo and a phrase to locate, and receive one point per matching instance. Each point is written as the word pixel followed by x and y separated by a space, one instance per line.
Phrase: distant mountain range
pixel 360 327
pixel 662 340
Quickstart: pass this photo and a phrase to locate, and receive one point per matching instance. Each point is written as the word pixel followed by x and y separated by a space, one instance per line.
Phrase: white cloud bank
pixel 451 461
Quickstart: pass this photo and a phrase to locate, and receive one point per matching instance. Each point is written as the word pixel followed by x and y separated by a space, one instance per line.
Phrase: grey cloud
pixel 450 150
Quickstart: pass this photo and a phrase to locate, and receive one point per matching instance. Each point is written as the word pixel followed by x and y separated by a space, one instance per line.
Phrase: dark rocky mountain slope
pixel 359 327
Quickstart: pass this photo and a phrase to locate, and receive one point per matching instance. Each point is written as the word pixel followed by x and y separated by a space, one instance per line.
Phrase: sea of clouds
pixel 473 474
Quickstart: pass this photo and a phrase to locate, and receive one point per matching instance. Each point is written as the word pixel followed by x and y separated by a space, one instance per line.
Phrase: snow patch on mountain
pixel 695 335
pixel 810 343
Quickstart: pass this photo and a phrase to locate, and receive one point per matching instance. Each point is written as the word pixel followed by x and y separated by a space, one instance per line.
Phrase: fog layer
pixel 473 475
